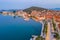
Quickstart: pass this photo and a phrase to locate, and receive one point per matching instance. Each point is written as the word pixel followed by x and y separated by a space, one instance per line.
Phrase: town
pixel 50 20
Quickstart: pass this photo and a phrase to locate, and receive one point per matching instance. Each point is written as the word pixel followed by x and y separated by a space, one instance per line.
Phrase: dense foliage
pixel 29 10
pixel 40 38
pixel 45 28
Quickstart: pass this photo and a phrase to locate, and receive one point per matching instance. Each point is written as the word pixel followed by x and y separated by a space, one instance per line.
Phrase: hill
pixel 28 10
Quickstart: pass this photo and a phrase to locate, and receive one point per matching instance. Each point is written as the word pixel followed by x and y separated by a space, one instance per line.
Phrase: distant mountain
pixel 28 10
pixel 56 9
pixel 10 10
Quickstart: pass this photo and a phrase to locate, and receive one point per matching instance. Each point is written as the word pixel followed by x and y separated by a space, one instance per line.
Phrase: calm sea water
pixel 18 29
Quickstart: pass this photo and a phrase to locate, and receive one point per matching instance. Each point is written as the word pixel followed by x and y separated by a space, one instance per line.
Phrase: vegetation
pixel 14 11
pixel 57 36
pixel 40 38
pixel 45 28
pixel 54 25
pixel 29 10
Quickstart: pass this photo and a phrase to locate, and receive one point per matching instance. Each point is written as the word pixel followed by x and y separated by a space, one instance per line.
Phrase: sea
pixel 17 28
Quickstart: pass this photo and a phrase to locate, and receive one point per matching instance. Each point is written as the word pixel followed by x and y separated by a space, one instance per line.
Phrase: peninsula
pixel 50 20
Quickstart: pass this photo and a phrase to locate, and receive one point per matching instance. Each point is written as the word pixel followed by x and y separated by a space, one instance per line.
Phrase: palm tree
pixel 14 14
pixel 57 36
pixel 45 28
pixel 54 25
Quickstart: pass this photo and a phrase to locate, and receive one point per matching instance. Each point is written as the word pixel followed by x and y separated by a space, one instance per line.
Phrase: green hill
pixel 28 10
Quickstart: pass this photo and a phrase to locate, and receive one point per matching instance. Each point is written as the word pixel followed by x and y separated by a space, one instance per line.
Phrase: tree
pixel 14 11
pixel 40 38
pixel 57 36
pixel 54 25
pixel 45 28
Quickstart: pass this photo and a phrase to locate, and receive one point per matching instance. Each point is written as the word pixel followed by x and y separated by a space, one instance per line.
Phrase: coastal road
pixel 50 29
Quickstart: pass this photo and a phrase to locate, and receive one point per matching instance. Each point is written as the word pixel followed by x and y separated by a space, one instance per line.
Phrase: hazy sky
pixel 22 4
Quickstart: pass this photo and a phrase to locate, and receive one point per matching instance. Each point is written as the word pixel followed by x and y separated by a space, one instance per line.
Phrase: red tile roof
pixel 49 16
pixel 59 26
pixel 57 18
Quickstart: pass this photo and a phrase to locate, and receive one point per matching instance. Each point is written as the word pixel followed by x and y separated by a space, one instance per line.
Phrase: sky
pixel 22 4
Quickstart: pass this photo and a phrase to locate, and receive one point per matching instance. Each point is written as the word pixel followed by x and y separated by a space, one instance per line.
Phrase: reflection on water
pixel 18 29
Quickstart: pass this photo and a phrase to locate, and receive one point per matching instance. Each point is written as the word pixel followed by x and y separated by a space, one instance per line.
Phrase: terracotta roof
pixel 49 16
pixel 57 18
pixel 59 26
